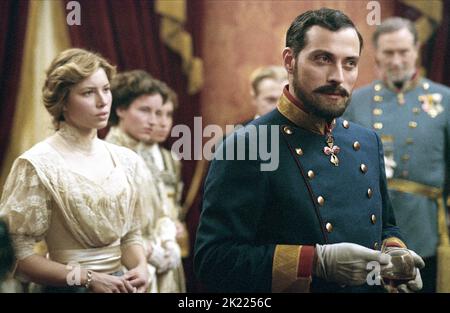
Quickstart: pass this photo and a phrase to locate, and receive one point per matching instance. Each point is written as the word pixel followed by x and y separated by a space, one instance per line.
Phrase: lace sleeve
pixel 24 207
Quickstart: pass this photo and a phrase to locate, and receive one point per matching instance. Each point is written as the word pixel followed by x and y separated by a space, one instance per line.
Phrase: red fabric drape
pixel 194 26
pixel 13 18
pixel 127 33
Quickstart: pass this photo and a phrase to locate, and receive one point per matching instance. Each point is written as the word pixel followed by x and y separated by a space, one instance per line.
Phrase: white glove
pixel 389 165
pixel 173 253
pixel 413 285
pixel 158 258
pixel 346 263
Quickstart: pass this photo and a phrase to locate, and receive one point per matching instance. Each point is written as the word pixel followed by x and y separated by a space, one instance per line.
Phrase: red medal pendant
pixel 332 150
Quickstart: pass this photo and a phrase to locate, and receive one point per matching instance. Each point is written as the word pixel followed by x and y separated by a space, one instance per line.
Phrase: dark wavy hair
pixel 127 86
pixel 330 19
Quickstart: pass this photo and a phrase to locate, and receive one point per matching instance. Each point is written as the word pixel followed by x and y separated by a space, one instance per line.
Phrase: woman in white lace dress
pixel 77 192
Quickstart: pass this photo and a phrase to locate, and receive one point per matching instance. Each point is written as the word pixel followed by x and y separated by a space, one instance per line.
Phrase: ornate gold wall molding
pixel 173 13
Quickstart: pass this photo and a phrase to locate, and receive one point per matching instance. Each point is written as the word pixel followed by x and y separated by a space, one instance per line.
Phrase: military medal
pixel 331 149
pixel 431 104
pixel 401 98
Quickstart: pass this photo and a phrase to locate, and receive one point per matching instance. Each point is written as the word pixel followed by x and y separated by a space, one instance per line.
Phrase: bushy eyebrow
pixel 399 49
pixel 332 56
pixel 355 59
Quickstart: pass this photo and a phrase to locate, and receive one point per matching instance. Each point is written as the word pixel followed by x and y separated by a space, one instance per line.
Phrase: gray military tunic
pixel 415 129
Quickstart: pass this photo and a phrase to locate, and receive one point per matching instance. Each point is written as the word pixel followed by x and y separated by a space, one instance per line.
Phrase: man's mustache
pixel 330 89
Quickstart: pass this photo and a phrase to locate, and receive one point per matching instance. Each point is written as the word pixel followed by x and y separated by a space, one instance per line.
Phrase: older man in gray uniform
pixel 412 116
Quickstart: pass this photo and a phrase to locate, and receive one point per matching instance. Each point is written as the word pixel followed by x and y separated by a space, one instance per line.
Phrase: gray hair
pixel 394 24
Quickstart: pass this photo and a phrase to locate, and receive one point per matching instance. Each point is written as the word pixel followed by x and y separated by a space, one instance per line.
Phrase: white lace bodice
pixel 44 198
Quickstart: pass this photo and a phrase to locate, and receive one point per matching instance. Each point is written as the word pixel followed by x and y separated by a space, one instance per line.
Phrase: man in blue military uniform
pixel 317 220
pixel 411 114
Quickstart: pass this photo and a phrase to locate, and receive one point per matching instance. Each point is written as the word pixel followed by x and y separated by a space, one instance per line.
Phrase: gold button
pixel 409 140
pixel 375 245
pixel 378 125
pixel 426 86
pixel 363 168
pixel 405 157
pixel 299 151
pixel 378 98
pixel 311 174
pixel 369 193
pixel 288 130
pixel 373 219
pixel 386 138
pixel 329 227
pixel 377 87
pixel 345 123
pixel 412 124
pixel 356 146
pixel 377 111
pixel 320 200
pixel 416 110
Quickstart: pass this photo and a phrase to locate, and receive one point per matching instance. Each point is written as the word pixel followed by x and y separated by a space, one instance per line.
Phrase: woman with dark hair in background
pixel 137 106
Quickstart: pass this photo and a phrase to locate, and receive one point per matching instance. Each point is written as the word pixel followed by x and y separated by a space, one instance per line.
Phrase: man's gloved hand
pixel 173 253
pixel 346 263
pixel 413 285
pixel 158 259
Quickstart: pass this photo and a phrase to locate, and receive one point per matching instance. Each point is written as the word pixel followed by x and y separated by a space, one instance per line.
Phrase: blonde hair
pixel 277 73
pixel 67 69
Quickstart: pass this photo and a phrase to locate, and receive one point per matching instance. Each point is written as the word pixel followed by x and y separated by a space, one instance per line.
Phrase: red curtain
pixel 13 18
pixel 127 33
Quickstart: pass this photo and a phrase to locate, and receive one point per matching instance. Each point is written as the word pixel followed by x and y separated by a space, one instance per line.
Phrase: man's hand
pixel 413 285
pixel 346 263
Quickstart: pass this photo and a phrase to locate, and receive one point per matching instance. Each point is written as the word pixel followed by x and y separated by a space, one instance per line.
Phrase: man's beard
pixel 315 102
pixel 400 78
